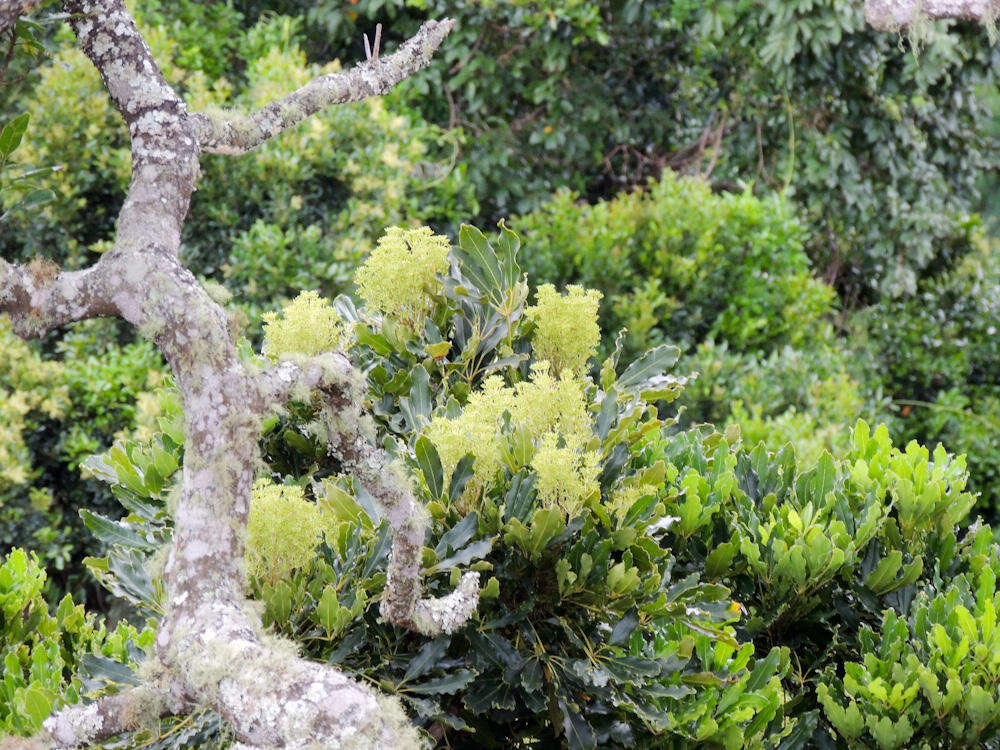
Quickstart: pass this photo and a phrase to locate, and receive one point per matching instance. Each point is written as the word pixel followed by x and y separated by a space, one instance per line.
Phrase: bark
pixel 893 15
pixel 234 133
pixel 210 649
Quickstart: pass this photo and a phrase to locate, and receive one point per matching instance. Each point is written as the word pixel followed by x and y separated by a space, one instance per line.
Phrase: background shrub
pixel 599 96
pixel 61 408
pixel 937 356
pixel 676 262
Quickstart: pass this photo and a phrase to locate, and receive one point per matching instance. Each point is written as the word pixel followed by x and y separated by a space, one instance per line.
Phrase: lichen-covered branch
pixel 11 10
pixel 351 437
pixel 39 297
pixel 272 697
pixel 232 133
pixel 893 15
pixel 165 155
pixel 210 648
pixel 86 724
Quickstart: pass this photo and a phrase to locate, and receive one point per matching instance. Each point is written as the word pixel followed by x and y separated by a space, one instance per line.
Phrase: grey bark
pixel 893 15
pixel 210 649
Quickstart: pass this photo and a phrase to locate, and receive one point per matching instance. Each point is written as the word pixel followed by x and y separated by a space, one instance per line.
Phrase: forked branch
pixel 238 133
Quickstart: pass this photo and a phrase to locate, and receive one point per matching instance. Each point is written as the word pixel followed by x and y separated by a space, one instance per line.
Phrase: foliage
pixel 598 95
pixel 613 539
pixel 54 413
pixel 18 192
pixel 902 136
pixel 930 679
pixel 677 261
pixel 30 384
pixel 819 555
pixel 51 658
pixel 606 616
pixel 937 356
pixel 803 396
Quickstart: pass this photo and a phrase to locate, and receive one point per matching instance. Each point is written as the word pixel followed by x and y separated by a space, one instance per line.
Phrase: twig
pixel 371 53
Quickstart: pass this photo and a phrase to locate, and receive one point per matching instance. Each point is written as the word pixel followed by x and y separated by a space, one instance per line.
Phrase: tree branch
pixel 38 297
pixel 239 133
pixel 893 15
pixel 351 436
pixel 11 10
pixel 86 724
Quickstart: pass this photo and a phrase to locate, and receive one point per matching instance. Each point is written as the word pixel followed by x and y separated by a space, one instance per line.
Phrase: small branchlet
pixel 371 52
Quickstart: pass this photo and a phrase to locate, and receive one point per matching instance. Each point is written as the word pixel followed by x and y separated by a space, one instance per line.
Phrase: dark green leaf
pixel 578 733
pixel 460 476
pixel 475 551
pixel 624 628
pixel 458 536
pixel 426 658
pixel 430 465
pixel 108 670
pixel 111 533
pixel 447 685
pixel 481 265
pixel 763 670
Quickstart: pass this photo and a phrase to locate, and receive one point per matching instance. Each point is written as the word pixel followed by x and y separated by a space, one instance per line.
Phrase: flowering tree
pixel 210 649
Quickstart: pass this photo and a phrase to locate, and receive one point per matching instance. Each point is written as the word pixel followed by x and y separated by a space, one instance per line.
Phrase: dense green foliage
pixel 52 658
pixel 600 95
pixel 938 355
pixel 615 644
pixel 56 411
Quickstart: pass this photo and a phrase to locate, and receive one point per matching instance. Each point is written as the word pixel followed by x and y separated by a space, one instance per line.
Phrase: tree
pixel 210 648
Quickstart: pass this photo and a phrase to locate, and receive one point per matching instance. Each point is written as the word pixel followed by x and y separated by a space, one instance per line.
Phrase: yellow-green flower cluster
pixel 551 412
pixel 283 531
pixel 308 325
pixel 566 332
pixel 567 473
pixel 399 278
